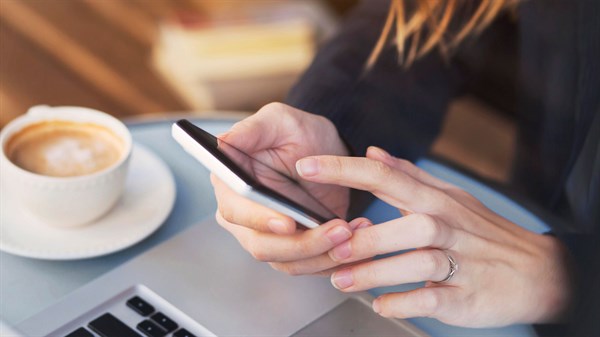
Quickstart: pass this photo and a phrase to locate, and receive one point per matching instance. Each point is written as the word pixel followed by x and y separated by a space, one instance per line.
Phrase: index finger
pixel 390 185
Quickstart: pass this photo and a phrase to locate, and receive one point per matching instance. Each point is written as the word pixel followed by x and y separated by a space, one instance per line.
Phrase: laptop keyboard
pixel 152 323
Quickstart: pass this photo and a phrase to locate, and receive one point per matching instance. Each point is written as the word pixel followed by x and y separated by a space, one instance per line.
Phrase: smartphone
pixel 251 178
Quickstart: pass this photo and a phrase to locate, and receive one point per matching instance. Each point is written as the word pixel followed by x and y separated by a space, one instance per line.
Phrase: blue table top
pixel 28 286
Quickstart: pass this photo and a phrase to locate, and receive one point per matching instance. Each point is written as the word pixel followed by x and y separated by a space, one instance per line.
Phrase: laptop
pixel 202 283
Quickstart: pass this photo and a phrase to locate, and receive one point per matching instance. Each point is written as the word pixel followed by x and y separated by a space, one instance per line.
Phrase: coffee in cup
pixel 64 149
pixel 65 165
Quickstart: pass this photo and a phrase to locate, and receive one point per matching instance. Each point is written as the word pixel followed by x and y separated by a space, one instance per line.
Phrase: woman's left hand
pixel 505 273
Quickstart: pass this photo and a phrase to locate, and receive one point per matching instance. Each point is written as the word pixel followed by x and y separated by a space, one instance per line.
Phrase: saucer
pixel 146 202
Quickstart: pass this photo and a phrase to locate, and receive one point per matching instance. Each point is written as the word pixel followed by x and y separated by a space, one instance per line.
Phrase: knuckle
pixel 292 269
pixel 383 174
pixel 226 212
pixel 335 166
pixel 368 242
pixel 305 245
pixel 313 243
pixel 287 268
pixel 256 250
pixel 429 227
pixel 257 221
pixel 429 301
pixel 431 264
pixel 272 107
pixel 382 169
pixel 258 255
pixel 366 277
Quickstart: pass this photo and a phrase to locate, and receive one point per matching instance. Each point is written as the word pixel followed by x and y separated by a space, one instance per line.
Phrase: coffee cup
pixel 65 165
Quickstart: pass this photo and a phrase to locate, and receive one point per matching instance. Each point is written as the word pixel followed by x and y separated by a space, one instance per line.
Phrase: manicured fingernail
pixel 376 306
pixel 342 279
pixel 338 234
pixel 307 167
pixel 341 252
pixel 277 226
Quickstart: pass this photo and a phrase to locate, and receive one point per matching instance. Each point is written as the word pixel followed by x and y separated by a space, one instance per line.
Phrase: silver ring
pixel 453 269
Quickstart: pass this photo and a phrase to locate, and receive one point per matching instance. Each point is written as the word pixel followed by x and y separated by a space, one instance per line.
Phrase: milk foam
pixel 64 149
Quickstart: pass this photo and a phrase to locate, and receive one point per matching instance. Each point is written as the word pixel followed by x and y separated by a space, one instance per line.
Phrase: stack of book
pixel 240 59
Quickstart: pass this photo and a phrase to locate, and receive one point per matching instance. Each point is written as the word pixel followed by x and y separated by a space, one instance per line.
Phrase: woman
pixel 480 268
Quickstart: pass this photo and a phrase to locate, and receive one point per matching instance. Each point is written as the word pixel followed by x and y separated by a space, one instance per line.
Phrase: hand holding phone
pixel 280 135
pixel 252 178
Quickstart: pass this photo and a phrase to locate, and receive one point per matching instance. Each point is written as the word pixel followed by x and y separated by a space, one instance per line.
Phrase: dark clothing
pixel 542 66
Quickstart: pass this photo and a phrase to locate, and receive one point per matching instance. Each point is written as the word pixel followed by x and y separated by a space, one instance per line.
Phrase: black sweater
pixel 543 66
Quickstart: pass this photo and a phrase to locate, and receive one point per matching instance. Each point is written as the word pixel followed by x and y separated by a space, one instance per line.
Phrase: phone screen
pixel 262 177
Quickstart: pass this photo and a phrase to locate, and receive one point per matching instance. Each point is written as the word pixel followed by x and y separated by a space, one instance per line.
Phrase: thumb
pixel 255 133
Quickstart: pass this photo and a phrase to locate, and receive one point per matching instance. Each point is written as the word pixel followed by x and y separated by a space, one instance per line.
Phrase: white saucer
pixel 145 204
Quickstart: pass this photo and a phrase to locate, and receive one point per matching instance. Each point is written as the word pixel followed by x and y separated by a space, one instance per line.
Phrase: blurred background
pixel 131 57
pixel 139 57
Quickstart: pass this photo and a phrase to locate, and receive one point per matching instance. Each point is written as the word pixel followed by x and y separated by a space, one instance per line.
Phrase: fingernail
pixel 307 167
pixel 356 225
pixel 363 225
pixel 376 306
pixel 338 234
pixel 341 252
pixel 342 279
pixel 277 226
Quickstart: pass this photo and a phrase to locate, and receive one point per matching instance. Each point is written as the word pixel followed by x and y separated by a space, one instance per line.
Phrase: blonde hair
pixel 424 27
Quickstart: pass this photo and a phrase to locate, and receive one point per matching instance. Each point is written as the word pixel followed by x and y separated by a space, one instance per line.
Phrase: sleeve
pixel 398 109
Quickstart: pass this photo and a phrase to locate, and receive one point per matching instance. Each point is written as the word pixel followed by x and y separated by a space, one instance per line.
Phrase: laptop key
pixel 164 321
pixel 81 332
pixel 150 329
pixel 140 306
pixel 108 325
pixel 183 333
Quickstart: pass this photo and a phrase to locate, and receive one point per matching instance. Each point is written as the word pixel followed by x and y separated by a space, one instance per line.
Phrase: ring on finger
pixel 453 268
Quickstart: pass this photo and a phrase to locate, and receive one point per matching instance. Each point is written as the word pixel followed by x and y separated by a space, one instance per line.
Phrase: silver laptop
pixel 202 283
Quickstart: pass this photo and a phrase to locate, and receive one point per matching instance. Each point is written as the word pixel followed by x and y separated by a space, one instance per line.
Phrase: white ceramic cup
pixel 66 201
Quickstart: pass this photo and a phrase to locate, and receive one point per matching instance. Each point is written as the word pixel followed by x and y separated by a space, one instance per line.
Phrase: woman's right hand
pixel 278 135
